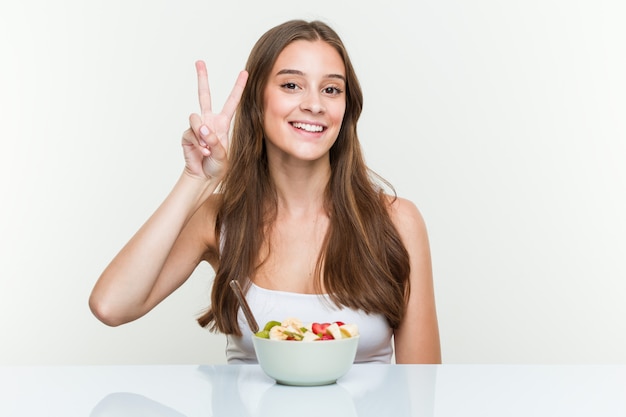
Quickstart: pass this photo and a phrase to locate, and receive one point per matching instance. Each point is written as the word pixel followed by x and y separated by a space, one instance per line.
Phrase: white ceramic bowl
pixel 313 363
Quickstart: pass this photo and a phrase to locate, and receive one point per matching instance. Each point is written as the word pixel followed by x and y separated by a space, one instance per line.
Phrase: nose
pixel 312 102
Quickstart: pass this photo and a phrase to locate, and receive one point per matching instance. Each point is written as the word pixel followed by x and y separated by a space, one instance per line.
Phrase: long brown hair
pixel 363 263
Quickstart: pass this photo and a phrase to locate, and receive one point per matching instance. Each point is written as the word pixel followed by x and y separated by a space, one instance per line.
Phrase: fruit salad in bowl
pixel 293 353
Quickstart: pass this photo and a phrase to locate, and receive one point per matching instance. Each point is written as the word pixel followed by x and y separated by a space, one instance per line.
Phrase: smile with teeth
pixel 308 127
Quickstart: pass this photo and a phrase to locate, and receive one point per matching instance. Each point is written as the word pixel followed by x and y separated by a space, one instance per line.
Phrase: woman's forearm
pixel 125 290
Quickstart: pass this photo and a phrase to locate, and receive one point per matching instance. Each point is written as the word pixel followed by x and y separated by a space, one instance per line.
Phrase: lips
pixel 307 127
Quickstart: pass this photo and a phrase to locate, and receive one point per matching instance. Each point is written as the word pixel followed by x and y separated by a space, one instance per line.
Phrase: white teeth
pixel 308 127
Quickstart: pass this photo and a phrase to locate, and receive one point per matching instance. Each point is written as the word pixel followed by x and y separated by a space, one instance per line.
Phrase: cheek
pixel 272 119
pixel 274 108
pixel 338 112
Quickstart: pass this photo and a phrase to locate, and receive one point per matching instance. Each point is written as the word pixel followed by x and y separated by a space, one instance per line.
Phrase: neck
pixel 301 189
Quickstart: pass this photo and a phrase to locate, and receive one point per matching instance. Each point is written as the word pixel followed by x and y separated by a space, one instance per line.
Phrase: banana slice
pixel 333 330
pixel 292 322
pixel 349 330
pixel 310 336
pixel 278 333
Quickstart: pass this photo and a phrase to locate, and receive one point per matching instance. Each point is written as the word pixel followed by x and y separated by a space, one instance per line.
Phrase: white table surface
pixel 367 390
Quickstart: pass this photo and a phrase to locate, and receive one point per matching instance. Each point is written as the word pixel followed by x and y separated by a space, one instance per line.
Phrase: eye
pixel 333 91
pixel 289 86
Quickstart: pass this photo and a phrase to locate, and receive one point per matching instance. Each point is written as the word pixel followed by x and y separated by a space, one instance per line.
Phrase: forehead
pixel 311 58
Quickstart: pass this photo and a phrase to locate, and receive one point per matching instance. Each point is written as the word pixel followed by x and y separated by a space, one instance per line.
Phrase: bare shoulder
pixel 406 216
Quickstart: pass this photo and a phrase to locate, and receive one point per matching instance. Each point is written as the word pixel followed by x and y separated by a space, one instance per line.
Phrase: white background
pixel 502 120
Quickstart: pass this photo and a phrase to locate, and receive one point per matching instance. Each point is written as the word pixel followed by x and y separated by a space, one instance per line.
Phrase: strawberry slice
pixel 319 328
pixel 340 323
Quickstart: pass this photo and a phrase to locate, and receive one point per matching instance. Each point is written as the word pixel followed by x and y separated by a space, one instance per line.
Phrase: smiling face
pixel 304 101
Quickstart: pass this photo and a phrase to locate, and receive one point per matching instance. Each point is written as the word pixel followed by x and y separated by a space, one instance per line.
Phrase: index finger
pixel 235 95
pixel 204 93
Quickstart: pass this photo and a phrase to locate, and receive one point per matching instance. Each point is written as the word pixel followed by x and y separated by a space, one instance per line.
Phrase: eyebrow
pixel 297 72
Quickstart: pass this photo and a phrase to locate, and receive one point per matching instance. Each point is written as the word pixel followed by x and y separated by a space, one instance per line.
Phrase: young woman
pixel 288 207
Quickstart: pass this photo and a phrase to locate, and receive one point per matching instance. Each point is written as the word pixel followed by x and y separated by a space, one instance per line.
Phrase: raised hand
pixel 205 143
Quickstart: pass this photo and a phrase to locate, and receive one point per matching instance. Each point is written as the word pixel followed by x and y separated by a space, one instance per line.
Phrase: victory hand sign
pixel 205 143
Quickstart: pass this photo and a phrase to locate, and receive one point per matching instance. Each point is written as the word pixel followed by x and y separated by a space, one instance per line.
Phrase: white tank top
pixel 375 333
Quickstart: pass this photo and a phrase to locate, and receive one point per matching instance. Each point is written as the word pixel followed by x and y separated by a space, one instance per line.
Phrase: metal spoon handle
pixel 234 284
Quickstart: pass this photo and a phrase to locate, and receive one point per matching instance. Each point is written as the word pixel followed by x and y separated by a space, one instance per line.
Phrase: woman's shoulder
pixel 403 209
pixel 405 215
